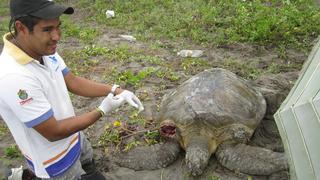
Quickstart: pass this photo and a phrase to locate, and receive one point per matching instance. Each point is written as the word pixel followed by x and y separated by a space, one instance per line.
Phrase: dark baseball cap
pixel 44 9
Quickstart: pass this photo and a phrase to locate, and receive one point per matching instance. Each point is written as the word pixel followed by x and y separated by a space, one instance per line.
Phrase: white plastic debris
pixel 128 38
pixel 110 14
pixel 190 53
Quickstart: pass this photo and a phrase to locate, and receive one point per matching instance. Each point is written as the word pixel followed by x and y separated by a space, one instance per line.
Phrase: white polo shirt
pixel 31 93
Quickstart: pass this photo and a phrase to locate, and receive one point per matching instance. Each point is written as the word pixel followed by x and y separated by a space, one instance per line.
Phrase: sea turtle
pixel 214 112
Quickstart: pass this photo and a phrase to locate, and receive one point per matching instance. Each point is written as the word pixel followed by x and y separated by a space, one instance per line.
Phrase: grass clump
pixel 12 152
pixel 248 70
pixel 86 35
pixel 194 65
pixel 3 129
pixel 129 78
pixel 123 134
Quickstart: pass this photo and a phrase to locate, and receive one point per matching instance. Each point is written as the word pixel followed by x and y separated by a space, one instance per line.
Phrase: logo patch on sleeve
pixel 24 97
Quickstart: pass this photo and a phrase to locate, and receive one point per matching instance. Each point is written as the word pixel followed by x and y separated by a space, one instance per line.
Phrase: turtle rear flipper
pixel 251 160
pixel 149 158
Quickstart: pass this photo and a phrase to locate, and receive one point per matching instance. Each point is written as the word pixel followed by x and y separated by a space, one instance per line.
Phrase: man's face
pixel 44 37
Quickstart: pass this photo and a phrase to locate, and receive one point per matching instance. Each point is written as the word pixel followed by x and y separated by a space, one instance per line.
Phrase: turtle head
pixel 168 129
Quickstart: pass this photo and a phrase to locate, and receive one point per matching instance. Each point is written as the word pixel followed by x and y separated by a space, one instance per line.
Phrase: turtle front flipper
pixel 250 160
pixel 198 152
pixel 149 158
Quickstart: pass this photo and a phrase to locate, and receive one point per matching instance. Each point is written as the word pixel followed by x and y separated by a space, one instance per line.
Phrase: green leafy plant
pixel 167 73
pixel 3 129
pixel 12 151
pixel 194 65
pixel 82 33
pixel 131 145
pixel 275 68
pixel 212 177
pixel 152 137
pixel 136 119
pixel 111 135
pixel 153 60
pixel 130 78
pixel 248 70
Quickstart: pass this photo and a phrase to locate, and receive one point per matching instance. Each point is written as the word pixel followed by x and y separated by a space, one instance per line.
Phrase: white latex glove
pixel 131 99
pixel 110 103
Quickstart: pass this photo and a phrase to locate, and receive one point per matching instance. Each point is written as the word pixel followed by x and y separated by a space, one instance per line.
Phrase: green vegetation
pixel 213 178
pixel 277 23
pixel 194 65
pixel 283 24
pixel 125 133
pixel 82 33
pixel 270 23
pixel 249 70
pixel 12 152
pixel 4 17
pixel 128 78
pixel 3 129
pixel 111 135
pixel 275 68
pixel 131 145
pixel 4 28
pixel 131 79
pixel 273 24
pixel 152 137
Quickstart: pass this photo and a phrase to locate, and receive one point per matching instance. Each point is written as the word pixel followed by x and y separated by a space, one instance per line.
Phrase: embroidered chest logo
pixel 23 96
pixel 54 61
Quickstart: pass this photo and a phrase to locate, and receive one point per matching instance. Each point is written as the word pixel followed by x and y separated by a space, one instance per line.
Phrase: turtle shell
pixel 217 98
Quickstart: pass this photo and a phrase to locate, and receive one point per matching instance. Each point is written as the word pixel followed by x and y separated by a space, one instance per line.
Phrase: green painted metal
pixel 298 121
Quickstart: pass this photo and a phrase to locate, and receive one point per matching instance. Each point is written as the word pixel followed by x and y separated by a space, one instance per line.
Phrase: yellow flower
pixel 117 123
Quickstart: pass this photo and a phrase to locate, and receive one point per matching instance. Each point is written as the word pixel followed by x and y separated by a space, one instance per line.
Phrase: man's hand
pixel 110 103
pixel 131 99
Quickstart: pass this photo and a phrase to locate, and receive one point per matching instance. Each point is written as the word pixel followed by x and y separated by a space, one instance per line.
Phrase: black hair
pixel 27 20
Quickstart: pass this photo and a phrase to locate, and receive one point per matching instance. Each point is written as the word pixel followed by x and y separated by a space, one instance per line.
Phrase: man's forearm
pixel 87 88
pixel 78 123
pixel 84 87
pixel 54 130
